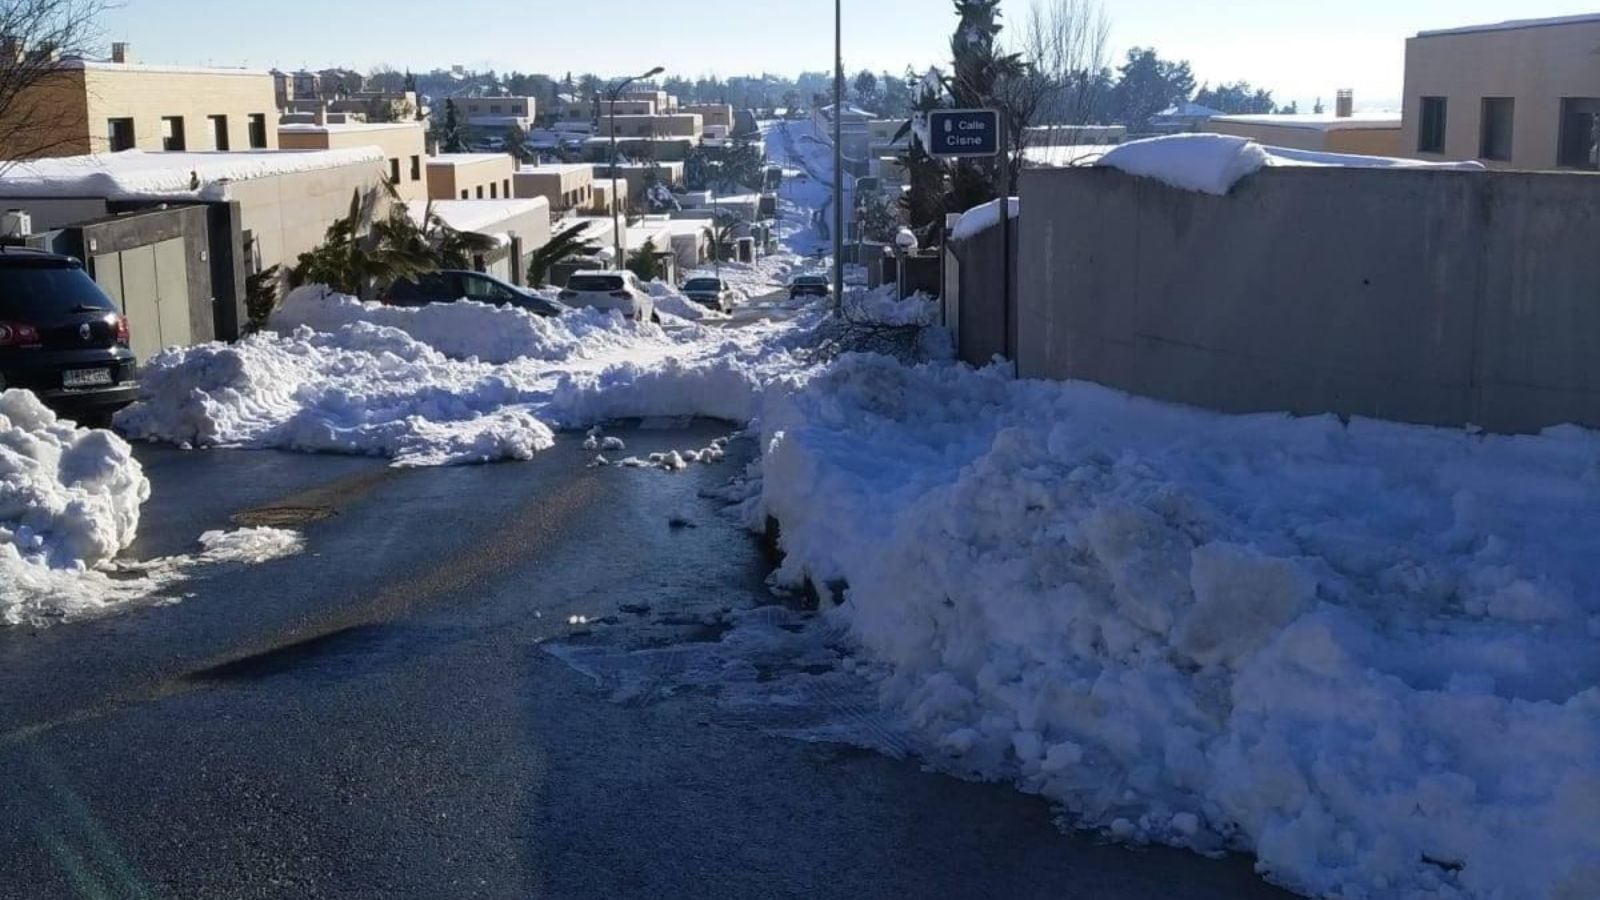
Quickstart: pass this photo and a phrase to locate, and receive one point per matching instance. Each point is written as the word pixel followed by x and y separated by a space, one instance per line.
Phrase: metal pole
pixel 838 151
pixel 1005 226
pixel 616 227
pixel 716 235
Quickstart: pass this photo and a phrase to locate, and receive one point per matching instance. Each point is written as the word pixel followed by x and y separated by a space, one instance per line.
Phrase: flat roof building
pixel 567 187
pixel 403 144
pixel 1368 134
pixel 471 176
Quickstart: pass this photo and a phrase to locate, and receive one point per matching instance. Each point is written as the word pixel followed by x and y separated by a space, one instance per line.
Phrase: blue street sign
pixel 964 132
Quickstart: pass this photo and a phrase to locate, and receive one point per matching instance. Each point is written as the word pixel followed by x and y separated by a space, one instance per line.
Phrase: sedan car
pixel 450 285
pixel 810 286
pixel 611 289
pixel 62 337
pixel 712 292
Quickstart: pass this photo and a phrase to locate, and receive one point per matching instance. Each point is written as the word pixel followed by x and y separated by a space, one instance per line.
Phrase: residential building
pixel 404 146
pixel 589 110
pixel 567 187
pixel 660 149
pixel 639 175
pixel 502 112
pixel 714 114
pixel 1520 94
pixel 526 220
pixel 471 176
pixel 89 106
pixel 1343 131
pixel 335 83
pixel 1182 117
pixel 305 85
pixel 689 125
pixel 664 102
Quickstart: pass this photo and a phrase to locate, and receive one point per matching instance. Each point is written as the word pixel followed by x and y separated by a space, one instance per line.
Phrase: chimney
pixel 122 53
pixel 1344 103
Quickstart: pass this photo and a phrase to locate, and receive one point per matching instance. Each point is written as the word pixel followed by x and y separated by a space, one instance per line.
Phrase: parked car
pixel 450 285
pixel 712 292
pixel 62 337
pixel 810 286
pixel 610 289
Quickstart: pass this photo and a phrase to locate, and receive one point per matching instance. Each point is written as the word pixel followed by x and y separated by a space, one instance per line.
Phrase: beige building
pixel 102 107
pixel 471 176
pixel 567 187
pixel 636 175
pixel 1368 134
pixel 403 145
pixel 526 219
pixel 664 102
pixel 689 125
pixel 713 113
pixel 502 111
pixel 588 110
pixel 1522 94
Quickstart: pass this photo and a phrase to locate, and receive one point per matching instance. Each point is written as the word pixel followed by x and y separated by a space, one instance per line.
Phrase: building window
pixel 464 194
pixel 219 131
pixel 494 191
pixel 494 108
pixel 172 134
pixel 1430 137
pixel 1580 133
pixel 416 168
pixel 394 170
pixel 121 134
pixel 258 131
pixel 480 192
pixel 505 188
pixel 1495 138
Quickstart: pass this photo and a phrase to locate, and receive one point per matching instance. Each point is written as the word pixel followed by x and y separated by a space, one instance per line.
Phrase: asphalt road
pixel 377 718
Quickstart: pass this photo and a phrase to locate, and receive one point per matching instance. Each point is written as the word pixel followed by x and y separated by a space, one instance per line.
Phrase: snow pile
pixel 1209 163
pixel 1214 163
pixel 670 301
pixel 1364 652
pixel 464 329
pixel 250 545
pixel 69 497
pixel 881 307
pixel 136 174
pixel 981 218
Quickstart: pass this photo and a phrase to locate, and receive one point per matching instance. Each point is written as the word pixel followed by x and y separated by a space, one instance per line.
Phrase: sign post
pixel 980 134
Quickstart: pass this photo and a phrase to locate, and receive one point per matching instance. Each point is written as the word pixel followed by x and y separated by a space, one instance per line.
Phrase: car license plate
pixel 82 378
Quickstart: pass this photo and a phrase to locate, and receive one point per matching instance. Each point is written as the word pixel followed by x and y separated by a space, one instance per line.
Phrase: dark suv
pixel 449 285
pixel 62 337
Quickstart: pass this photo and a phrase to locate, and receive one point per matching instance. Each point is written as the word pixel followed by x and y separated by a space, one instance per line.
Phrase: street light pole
pixel 616 227
pixel 838 151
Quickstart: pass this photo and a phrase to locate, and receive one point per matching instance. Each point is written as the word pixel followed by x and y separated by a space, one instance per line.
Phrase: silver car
pixel 611 289
pixel 710 292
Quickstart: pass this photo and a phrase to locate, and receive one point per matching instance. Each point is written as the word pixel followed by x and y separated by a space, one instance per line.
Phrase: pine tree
pixel 975 82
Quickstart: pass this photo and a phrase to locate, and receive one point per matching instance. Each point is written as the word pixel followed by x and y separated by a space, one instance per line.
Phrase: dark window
pixel 121 134
pixel 1430 137
pixel 487 290
pixel 47 290
pixel 1495 138
pixel 1580 133
pixel 172 134
pixel 219 132
pixel 480 192
pixel 505 189
pixel 494 108
pixel 394 170
pixel 416 168
pixel 595 283
pixel 494 191
pixel 465 195
pixel 258 131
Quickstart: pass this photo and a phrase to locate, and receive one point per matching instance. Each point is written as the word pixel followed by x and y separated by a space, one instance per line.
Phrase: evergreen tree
pixel 451 138
pixel 1238 98
pixel 1147 85
pixel 976 81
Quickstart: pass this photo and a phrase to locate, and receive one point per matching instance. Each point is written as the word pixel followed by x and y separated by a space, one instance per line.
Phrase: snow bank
pixel 880 306
pixel 672 302
pixel 981 218
pixel 1364 652
pixel 1214 163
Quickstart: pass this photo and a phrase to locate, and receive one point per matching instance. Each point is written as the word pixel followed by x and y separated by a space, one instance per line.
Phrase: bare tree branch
pixel 40 42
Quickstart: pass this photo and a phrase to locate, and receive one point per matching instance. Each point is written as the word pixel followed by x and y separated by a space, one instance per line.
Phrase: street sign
pixel 959 133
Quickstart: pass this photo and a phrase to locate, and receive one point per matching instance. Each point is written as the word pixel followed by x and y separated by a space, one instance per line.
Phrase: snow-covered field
pixel 1364 652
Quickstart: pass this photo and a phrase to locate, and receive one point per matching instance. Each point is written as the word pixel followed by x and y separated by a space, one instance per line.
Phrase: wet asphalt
pixel 377 718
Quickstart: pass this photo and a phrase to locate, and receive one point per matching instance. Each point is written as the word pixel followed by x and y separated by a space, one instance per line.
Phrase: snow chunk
pixel 1208 163
pixel 981 218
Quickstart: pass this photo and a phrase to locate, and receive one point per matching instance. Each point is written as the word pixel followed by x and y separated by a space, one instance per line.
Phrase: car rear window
pixel 595 283
pixel 701 284
pixel 28 292
pixel 811 279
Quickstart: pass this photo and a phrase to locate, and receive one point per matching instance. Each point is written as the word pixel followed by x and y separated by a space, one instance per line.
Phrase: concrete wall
pixel 404 144
pixel 980 314
pixel 1534 66
pixel 290 214
pixel 678 125
pixel 1424 296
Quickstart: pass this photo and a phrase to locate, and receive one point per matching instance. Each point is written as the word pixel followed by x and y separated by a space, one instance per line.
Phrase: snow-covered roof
pixel 466 159
pixel 555 168
pixel 137 174
pixel 1188 111
pixel 482 216
pixel 1317 121
pixel 1516 24
pixel 95 65
pixel 347 127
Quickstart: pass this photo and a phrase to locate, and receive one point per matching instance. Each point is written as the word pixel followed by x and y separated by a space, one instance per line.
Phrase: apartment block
pixel 1522 94
pixel 103 107
pixel 567 187
pixel 664 102
pixel 587 110
pixel 690 125
pixel 404 146
pixel 497 112
pixel 471 176
pixel 714 114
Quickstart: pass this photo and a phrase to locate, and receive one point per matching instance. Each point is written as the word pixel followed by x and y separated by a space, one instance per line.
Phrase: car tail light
pixel 17 334
pixel 622 295
pixel 123 335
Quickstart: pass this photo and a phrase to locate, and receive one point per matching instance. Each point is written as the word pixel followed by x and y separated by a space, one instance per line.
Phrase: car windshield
pixel 27 292
pixel 595 283
pixel 702 284
pixel 811 279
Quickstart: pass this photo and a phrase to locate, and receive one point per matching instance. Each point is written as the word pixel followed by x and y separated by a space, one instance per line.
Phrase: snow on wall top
pixel 92 65
pixel 464 159
pixel 1214 163
pixel 981 218
pixel 1515 24
pixel 136 174
pixel 1318 121
pixel 479 215
pixel 347 127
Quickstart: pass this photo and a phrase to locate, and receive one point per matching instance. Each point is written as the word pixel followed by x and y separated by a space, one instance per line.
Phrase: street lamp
pixel 613 94
pixel 838 151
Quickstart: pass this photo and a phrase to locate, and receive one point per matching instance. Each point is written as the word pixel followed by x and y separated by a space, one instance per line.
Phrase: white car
pixel 610 289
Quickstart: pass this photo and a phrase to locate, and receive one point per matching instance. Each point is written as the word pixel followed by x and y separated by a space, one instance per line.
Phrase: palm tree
pixel 566 243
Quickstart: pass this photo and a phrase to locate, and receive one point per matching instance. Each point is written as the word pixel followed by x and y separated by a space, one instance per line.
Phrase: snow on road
pixel 1365 652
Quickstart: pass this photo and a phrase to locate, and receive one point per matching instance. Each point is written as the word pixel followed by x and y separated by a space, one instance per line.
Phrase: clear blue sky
pixel 1298 49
